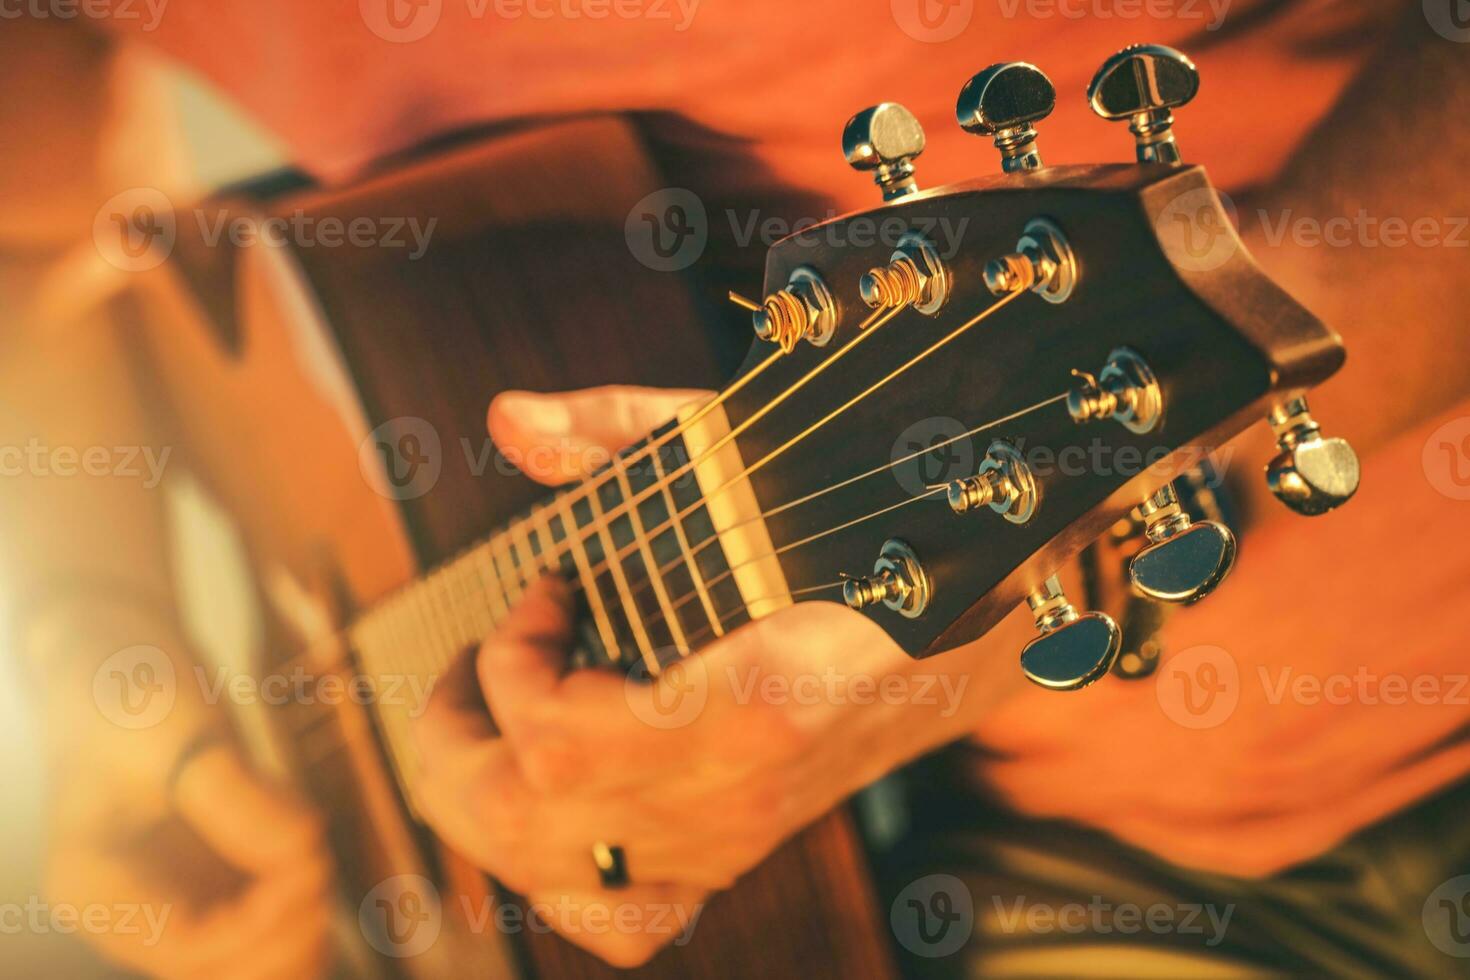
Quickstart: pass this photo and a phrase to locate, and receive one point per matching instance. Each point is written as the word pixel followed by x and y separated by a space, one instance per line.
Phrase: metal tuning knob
pixel 1002 102
pixel 898 581
pixel 1311 475
pixel 804 310
pixel 1125 391
pixel 1184 560
pixel 1074 649
pixel 1144 83
pixel 915 276
pixel 1043 262
pixel 884 140
pixel 1005 484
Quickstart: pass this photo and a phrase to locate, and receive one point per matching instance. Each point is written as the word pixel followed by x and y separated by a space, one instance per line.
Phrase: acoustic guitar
pixel 332 403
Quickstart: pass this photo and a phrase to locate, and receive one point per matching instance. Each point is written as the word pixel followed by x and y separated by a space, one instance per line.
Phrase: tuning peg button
pixel 1074 649
pixel 884 139
pixel 1184 560
pixel 898 581
pixel 1311 475
pixel 1143 84
pixel 1002 102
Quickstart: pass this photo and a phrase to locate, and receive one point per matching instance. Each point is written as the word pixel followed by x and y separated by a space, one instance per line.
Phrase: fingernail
pixel 545 414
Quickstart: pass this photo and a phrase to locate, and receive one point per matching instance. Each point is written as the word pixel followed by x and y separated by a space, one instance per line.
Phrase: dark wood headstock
pixel 1160 271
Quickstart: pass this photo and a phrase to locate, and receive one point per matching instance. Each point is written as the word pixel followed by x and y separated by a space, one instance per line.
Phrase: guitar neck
pixel 643 547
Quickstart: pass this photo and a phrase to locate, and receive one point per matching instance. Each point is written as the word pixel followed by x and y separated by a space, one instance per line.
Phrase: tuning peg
pixel 1311 475
pixel 914 276
pixel 898 581
pixel 804 310
pixel 1005 484
pixel 1043 262
pixel 1074 649
pixel 1184 560
pixel 1002 102
pixel 1125 391
pixel 1143 83
pixel 884 139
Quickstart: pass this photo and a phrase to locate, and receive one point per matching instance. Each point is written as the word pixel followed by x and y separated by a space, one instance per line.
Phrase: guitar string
pixel 307 735
pixel 393 601
pixel 696 549
pixel 752 468
pixel 871 326
pixel 722 620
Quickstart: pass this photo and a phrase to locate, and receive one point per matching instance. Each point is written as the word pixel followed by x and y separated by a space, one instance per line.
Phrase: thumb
pixel 248 823
pixel 554 438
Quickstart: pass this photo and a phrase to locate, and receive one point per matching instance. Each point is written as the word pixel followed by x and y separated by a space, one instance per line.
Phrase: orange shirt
pixel 345 82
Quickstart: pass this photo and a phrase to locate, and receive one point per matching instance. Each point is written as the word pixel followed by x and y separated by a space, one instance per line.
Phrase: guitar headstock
pixel 955 392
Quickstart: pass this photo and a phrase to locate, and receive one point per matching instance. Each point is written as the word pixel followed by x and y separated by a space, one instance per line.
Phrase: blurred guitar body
pixel 276 362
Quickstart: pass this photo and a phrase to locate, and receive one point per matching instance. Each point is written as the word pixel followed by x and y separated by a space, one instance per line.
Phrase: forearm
pixel 1370 227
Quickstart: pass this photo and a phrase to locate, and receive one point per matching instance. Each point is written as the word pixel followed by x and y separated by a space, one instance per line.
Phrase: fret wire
pixel 694 573
pixel 590 589
pixel 510 581
pixel 485 568
pixel 650 568
pixel 518 532
pixel 620 582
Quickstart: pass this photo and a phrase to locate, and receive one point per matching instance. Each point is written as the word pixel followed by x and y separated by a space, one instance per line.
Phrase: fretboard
pixel 650 575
